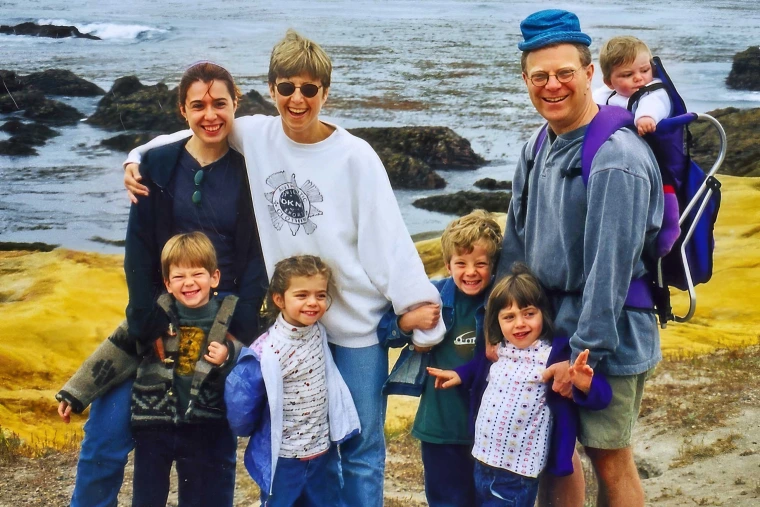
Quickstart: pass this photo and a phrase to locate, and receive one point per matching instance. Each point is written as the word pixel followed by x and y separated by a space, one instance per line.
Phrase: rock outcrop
pixel 27 93
pixel 742 128
pixel 492 184
pixel 61 82
pixel 463 202
pixel 745 71
pixel 438 147
pixel 54 31
pixel 24 136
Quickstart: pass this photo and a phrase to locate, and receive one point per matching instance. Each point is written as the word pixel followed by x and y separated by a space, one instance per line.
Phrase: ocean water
pixel 396 63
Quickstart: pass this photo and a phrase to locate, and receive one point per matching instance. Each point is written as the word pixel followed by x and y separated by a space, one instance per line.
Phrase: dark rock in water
pixel 12 246
pixel 492 184
pixel 439 147
pixel 11 81
pixel 62 82
pixel 409 172
pixel 461 203
pixel 54 31
pixel 19 100
pixel 31 134
pixel 106 241
pixel 255 103
pixel 131 105
pixel 126 142
pixel 53 112
pixel 745 71
pixel 14 148
pixel 742 128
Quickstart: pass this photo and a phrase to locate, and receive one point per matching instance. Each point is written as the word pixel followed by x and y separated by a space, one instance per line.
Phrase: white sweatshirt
pixel 331 199
pixel 654 104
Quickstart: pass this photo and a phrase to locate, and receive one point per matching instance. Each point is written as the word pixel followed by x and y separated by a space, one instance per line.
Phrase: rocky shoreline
pixel 411 155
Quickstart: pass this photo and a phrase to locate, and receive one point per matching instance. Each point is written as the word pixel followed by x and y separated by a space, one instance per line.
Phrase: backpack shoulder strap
pixel 641 91
pixel 608 120
pixel 529 167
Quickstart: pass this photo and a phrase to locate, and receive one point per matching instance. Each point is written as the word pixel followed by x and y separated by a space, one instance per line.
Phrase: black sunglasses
pixel 197 179
pixel 308 90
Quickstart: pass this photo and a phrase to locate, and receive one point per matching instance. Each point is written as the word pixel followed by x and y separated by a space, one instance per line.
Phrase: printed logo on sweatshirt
pixel 291 204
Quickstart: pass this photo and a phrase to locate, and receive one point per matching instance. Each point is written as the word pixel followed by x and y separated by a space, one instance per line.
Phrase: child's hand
pixel 646 125
pixel 581 373
pixel 492 351
pixel 444 378
pixel 217 353
pixel 425 317
pixel 561 383
pixel 64 410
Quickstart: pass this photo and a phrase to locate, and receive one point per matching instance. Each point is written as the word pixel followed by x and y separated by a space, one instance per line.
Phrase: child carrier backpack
pixel 687 258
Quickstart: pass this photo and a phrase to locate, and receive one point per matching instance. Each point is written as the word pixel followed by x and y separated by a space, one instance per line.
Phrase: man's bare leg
pixel 619 483
pixel 568 491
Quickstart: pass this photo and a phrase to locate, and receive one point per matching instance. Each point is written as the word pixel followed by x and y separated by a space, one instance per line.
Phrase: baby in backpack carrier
pixel 628 73
pixel 626 64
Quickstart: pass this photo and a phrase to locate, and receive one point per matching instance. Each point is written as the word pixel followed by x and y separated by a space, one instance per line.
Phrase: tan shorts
pixel 611 427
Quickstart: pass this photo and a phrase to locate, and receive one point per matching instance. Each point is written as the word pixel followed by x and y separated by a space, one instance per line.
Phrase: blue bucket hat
pixel 551 26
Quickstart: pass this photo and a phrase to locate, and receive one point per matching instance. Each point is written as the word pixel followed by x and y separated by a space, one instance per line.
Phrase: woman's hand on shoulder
pixel 132 183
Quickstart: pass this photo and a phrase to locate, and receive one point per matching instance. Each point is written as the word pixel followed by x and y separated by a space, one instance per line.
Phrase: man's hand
pixel 132 183
pixel 64 410
pixel 581 373
pixel 425 317
pixel 562 384
pixel 646 125
pixel 444 378
pixel 217 353
pixel 492 351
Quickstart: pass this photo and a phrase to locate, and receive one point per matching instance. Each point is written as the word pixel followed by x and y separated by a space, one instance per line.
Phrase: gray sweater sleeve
pixel 623 217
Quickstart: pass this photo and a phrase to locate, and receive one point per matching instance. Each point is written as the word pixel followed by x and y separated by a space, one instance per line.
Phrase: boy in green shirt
pixel 470 247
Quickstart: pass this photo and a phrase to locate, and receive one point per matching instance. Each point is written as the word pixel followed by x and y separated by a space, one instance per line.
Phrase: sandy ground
pixel 56 307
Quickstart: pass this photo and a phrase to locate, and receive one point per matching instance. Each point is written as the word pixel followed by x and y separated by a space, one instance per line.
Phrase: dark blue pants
pixel 205 457
pixel 449 479
pixel 308 483
pixel 498 488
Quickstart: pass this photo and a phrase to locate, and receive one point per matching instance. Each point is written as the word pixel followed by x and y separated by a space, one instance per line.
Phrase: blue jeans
pixel 205 457
pixel 449 473
pixel 105 447
pixel 362 458
pixel 310 483
pixel 497 487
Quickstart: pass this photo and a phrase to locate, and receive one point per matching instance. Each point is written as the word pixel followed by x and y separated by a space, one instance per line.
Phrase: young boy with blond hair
pixel 470 246
pixel 177 411
pixel 627 71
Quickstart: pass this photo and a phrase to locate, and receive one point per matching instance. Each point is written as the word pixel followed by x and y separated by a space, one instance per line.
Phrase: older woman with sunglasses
pixel 318 189
pixel 196 184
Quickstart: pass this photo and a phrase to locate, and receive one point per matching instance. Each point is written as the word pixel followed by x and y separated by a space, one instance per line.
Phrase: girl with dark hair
pixel 520 425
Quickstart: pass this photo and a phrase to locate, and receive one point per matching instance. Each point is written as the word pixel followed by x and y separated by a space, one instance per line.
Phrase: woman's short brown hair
pixel 295 55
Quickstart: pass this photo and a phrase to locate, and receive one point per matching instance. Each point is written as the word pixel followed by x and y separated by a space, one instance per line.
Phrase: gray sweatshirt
pixel 585 244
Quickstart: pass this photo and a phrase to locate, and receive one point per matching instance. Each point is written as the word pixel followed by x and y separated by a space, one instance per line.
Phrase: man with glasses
pixel 586 244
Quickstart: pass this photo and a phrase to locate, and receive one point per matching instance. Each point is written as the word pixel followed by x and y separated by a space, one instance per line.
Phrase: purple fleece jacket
pixel 474 376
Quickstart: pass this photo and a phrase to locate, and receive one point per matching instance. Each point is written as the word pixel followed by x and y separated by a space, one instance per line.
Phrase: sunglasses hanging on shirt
pixel 197 179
